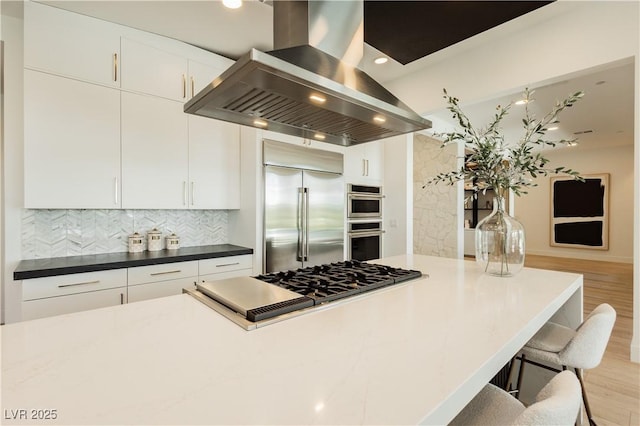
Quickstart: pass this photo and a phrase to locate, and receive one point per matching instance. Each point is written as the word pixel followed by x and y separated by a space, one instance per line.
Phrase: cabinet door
pixel 160 289
pixel 71 44
pixel 354 163
pixel 41 308
pixel 200 75
pixel 71 143
pixel 364 163
pixel 374 160
pixel 154 153
pixel 214 164
pixel 147 69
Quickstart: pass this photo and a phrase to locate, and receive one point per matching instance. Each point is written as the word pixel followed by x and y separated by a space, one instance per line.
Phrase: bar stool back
pixel 578 349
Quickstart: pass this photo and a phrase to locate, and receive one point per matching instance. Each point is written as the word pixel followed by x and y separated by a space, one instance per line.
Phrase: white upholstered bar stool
pixel 578 349
pixel 556 404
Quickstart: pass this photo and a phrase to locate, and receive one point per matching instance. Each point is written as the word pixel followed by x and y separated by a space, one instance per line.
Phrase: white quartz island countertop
pixel 407 354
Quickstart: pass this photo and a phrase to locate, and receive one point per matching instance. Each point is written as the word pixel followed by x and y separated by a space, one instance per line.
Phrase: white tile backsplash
pixel 56 233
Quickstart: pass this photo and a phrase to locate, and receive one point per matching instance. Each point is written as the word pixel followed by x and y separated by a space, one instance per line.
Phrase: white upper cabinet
pixel 147 69
pixel 70 44
pixel 364 163
pixel 154 153
pixel 71 143
pixel 200 75
pixel 214 164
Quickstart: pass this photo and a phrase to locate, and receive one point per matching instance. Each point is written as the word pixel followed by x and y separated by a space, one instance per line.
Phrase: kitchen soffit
pixel 409 30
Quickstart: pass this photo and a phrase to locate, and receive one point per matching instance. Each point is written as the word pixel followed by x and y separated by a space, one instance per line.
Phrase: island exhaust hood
pixel 310 85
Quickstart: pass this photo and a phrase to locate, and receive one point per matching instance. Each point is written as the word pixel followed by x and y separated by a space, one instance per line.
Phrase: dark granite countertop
pixel 37 268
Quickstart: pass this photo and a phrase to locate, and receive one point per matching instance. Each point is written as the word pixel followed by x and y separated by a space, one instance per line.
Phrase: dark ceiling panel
pixel 410 30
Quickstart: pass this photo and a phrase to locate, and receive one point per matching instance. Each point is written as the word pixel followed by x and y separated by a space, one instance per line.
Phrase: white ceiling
pixel 607 108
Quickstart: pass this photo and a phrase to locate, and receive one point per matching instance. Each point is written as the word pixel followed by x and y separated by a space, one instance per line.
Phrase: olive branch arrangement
pixel 490 163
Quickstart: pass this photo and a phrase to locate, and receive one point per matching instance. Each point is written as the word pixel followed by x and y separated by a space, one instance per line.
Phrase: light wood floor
pixel 614 386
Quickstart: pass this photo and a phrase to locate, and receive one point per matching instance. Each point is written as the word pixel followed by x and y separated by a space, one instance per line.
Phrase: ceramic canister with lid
pixel 173 242
pixel 136 243
pixel 154 240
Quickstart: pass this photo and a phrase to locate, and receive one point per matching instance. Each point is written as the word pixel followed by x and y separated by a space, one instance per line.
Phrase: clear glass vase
pixel 500 242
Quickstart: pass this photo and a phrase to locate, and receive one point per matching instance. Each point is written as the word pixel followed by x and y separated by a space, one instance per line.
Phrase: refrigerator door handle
pixel 299 253
pixel 306 224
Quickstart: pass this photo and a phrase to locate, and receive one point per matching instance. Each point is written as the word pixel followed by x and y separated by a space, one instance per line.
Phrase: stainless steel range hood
pixel 310 86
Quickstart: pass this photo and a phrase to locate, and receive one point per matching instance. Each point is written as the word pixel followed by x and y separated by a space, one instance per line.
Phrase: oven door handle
pixel 357 234
pixel 361 195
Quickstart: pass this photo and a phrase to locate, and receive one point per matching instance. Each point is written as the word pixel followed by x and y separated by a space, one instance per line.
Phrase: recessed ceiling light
pixel 553 128
pixel 379 119
pixel 521 102
pixel 317 98
pixel 260 123
pixel 319 136
pixel 381 60
pixel 232 4
pixel 572 143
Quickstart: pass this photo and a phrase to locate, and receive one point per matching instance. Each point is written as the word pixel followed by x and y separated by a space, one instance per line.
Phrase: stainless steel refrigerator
pixel 304 206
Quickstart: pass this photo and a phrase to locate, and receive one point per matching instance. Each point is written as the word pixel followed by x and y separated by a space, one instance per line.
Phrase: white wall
pixel 12 156
pixel 398 174
pixel 533 210
pixel 544 46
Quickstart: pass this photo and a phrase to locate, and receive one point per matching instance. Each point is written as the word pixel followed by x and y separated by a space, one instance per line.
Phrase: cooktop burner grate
pixel 325 283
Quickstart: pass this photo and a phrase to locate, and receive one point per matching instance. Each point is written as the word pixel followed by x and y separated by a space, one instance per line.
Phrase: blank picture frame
pixel 580 212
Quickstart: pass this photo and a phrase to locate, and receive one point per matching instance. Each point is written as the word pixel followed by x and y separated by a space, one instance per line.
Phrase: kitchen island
pixel 412 353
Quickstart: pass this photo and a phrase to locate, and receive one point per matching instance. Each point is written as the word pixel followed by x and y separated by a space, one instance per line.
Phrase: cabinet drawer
pixel 160 289
pixel 225 275
pixel 164 272
pixel 225 264
pixel 39 288
pixel 40 308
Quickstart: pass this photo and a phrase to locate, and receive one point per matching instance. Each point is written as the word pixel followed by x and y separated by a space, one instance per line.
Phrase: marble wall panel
pixel 434 207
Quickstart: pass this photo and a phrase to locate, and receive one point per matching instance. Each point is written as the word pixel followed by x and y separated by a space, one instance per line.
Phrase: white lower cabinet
pixel 148 291
pixel 225 267
pixel 63 294
pixel 168 279
pixel 44 297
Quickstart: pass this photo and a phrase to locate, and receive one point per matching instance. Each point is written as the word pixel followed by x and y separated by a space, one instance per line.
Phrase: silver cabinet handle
pixel 122 298
pixel 367 163
pixel 115 191
pixel 115 67
pixel 193 193
pixel 184 86
pixel 77 284
pixel 363 167
pixel 184 193
pixel 227 264
pixel 193 86
pixel 165 272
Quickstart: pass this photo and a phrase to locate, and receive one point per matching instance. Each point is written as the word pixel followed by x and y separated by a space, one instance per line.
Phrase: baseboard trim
pixel 635 350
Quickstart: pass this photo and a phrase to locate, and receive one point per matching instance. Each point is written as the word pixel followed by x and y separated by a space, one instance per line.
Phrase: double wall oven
pixel 364 214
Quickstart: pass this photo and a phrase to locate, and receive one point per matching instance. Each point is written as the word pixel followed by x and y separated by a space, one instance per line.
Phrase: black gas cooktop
pixel 328 282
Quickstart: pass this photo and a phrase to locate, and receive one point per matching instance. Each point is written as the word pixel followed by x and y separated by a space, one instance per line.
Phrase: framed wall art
pixel 580 212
